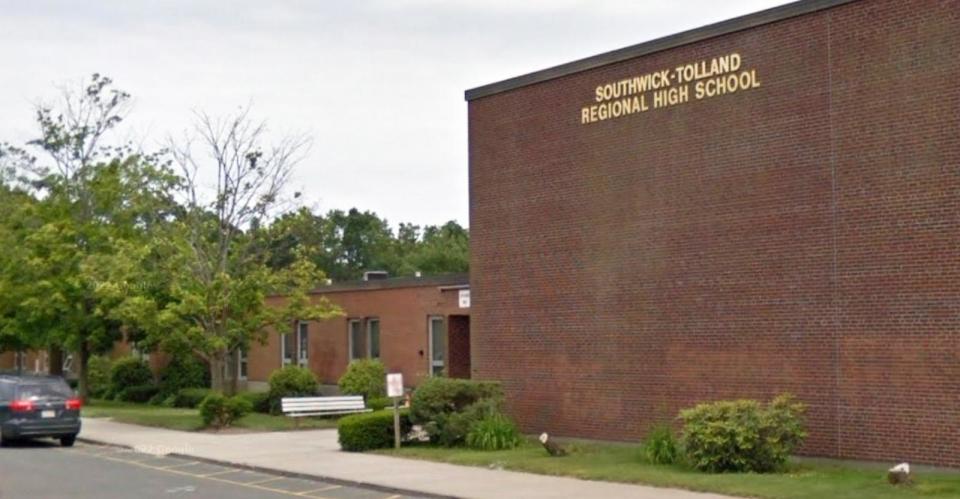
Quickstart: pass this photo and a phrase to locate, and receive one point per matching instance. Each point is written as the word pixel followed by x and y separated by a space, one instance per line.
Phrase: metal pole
pixel 396 422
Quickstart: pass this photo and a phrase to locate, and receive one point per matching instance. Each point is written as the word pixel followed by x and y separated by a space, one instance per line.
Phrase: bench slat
pixel 322 406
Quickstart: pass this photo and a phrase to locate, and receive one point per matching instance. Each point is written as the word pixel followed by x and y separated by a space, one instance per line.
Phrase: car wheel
pixel 68 440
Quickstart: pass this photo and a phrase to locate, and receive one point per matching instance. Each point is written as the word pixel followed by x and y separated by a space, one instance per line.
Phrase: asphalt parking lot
pixel 40 469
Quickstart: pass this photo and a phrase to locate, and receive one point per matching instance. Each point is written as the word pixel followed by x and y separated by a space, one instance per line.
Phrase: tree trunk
pixel 55 358
pixel 84 385
pixel 216 372
pixel 233 376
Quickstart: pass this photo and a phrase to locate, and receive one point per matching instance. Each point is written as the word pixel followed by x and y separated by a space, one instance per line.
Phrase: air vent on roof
pixel 375 275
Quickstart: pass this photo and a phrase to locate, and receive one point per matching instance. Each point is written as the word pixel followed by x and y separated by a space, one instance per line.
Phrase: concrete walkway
pixel 317 453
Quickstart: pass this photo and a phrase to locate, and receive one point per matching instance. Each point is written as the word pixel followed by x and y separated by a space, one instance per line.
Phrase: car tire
pixel 68 440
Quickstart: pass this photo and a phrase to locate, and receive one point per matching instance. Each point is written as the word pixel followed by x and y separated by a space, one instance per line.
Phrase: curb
pixel 283 473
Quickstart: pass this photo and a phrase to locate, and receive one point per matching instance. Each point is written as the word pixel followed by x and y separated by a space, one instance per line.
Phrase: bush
pixel 184 371
pixel 221 412
pixel 494 432
pixel 291 381
pixel 157 399
pixel 259 401
pixel 660 446
pixel 138 393
pixel 190 398
pixel 379 403
pixel 98 376
pixel 128 372
pixel 447 408
pixel 365 377
pixel 373 430
pixel 742 435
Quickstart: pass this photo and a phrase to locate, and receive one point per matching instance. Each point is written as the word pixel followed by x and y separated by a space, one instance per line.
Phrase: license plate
pixel 48 414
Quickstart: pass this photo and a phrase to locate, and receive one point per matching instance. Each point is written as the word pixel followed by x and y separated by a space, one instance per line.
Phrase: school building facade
pixel 768 204
pixel 417 326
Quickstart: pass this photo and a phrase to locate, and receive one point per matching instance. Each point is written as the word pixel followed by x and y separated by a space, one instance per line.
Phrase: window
pixel 373 338
pixel 357 345
pixel 288 348
pixel 241 364
pixel 438 346
pixel 303 343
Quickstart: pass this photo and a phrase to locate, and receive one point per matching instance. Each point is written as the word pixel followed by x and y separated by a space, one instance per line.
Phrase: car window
pixel 6 392
pixel 50 389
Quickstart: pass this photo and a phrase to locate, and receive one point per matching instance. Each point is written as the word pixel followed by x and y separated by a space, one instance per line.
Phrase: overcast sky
pixel 377 84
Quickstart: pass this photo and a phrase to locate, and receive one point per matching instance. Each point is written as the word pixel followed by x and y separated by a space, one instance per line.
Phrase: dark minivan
pixel 38 406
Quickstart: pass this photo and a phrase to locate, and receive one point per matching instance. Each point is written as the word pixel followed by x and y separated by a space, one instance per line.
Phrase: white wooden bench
pixel 297 407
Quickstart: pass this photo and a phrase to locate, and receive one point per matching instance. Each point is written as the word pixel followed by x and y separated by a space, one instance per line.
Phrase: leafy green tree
pixel 443 249
pixel 220 270
pixel 94 204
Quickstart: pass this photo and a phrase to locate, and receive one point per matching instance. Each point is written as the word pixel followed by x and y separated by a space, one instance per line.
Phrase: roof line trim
pixel 741 23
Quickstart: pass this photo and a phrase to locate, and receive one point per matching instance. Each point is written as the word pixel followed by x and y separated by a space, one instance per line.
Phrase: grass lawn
pixel 189 419
pixel 623 463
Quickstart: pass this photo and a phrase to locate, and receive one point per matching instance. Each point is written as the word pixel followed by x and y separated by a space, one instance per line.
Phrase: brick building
pixel 767 204
pixel 418 326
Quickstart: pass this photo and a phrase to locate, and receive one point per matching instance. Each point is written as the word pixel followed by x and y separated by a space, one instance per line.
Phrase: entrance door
pixel 438 346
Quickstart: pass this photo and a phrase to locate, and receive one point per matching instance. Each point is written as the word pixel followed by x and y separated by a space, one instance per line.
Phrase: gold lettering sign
pixel 669 87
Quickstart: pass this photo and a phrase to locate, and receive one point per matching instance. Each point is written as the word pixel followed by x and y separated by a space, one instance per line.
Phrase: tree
pixel 96 203
pixel 221 276
pixel 443 249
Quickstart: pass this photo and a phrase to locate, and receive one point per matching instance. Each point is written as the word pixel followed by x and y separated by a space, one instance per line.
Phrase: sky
pixel 376 84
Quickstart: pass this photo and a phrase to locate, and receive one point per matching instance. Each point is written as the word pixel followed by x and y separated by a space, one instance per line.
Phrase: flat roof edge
pixel 728 26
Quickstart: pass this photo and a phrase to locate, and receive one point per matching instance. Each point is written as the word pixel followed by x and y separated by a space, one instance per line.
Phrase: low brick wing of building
pixel 769 204
pixel 417 326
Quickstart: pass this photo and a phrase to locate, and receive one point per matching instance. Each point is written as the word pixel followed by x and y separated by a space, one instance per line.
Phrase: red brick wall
pixel 403 316
pixel 803 236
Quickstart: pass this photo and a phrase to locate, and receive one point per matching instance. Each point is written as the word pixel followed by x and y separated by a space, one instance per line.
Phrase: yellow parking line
pixel 258 482
pixel 321 489
pixel 224 472
pixel 212 478
pixel 191 463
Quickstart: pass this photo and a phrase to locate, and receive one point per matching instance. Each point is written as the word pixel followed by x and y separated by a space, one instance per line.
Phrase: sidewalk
pixel 317 453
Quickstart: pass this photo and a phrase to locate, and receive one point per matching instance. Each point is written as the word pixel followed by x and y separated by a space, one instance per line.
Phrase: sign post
pixel 395 391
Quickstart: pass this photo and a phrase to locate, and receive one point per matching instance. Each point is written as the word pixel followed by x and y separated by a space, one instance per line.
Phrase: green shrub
pixel 259 401
pixel 184 371
pixel 373 430
pixel 379 403
pixel 221 412
pixel 742 435
pixel 291 381
pixel 660 446
pixel 98 376
pixel 190 398
pixel 495 432
pixel 138 393
pixel 157 399
pixel 128 372
pixel 447 408
pixel 365 377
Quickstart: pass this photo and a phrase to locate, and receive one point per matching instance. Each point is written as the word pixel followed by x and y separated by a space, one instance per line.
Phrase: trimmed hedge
pixel 128 372
pixel 742 435
pixel 365 377
pixel 190 398
pixel 447 407
pixel 259 401
pixel 98 376
pixel 373 430
pixel 291 381
pixel 139 393
pixel 221 412
pixel 184 371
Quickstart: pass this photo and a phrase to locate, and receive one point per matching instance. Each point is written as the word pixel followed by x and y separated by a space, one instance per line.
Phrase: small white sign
pixel 395 385
pixel 464 298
